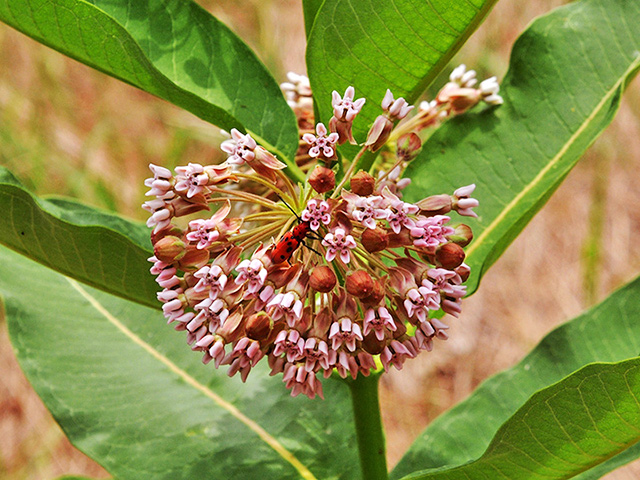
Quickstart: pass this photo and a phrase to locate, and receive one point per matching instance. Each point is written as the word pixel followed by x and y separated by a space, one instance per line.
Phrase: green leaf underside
pixel 610 332
pixel 567 73
pixel 173 49
pixel 132 395
pixel 401 45
pixel 98 248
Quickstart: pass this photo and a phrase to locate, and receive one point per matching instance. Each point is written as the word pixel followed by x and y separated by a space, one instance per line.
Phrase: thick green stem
pixel 371 442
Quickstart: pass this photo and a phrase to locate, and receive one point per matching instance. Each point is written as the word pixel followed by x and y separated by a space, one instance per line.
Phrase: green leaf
pixel 95 247
pixel 173 49
pixel 372 45
pixel 610 332
pixel 563 430
pixel 310 10
pixel 567 73
pixel 131 394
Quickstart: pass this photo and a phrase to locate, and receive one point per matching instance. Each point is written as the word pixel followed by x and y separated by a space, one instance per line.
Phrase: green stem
pixel 366 412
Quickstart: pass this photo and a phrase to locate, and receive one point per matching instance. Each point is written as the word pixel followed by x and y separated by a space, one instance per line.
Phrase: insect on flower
pixel 291 240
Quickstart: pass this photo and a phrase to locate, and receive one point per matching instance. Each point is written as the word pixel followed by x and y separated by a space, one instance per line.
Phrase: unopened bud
pixel 462 235
pixel 408 147
pixel 362 184
pixel 359 284
pixel 401 239
pixel 379 133
pixel 169 249
pixel 258 326
pixel 172 230
pixel 464 271
pixel 449 256
pixel 435 205
pixel 376 295
pixel 372 345
pixel 374 240
pixel 322 279
pixel 193 259
pixel 322 179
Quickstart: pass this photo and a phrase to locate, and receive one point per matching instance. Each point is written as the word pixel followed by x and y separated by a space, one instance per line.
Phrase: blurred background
pixel 68 130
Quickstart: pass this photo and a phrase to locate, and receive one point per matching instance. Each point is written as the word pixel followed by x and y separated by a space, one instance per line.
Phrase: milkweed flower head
pixel 337 275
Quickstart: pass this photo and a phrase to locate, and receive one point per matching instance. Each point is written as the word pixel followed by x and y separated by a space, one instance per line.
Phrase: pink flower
pixel 240 148
pixel 345 108
pixel 418 301
pixel 322 145
pixel 205 231
pixel 191 179
pixel 299 380
pixel 345 332
pixel 463 203
pixel 380 322
pixel 367 210
pixel 160 184
pixel 316 353
pixel 317 211
pixel 253 273
pixel 398 216
pixel 395 354
pixel 291 343
pixel 430 231
pixel 161 214
pixel 213 311
pixel 288 305
pixel 212 278
pixel 338 243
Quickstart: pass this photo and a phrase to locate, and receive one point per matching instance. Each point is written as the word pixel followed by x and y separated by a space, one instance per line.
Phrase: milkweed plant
pixel 336 240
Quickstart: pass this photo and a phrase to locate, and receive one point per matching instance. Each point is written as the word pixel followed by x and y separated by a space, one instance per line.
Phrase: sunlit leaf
pixel 131 394
pixel 610 332
pixel 566 76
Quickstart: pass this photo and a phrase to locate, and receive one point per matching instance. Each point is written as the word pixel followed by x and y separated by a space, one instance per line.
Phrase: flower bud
pixel 377 294
pixel 464 271
pixel 374 240
pixel 359 284
pixel 408 147
pixel 372 345
pixel 193 259
pixel 462 236
pixel 449 256
pixel 322 279
pixel 435 205
pixel 322 179
pixel 258 326
pixel 362 184
pixel 169 249
pixel 401 239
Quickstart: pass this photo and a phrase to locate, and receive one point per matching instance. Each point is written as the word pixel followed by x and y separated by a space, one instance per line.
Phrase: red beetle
pixel 290 242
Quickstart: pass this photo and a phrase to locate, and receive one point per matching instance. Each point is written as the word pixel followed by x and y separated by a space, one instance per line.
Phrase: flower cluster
pixel 325 277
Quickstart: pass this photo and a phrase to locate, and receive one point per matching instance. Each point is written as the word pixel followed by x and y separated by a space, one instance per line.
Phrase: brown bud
pixel 376 295
pixel 375 240
pixel 359 284
pixel 362 183
pixel 449 256
pixel 464 271
pixel 169 249
pixel 322 179
pixel 408 147
pixel 401 239
pixel 258 326
pixel 172 230
pixel 435 205
pixel 322 279
pixel 462 236
pixel 193 259
pixel 372 345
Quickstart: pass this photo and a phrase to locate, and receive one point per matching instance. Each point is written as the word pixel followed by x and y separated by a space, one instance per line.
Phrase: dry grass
pixel 66 129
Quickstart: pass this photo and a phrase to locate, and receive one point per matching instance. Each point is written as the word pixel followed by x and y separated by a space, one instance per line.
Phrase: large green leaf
pixel 610 332
pixel 563 430
pixel 401 45
pixel 173 49
pixel 96 247
pixel 131 394
pixel 567 73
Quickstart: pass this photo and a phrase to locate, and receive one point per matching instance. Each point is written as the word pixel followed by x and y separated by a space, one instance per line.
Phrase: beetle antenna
pixel 289 207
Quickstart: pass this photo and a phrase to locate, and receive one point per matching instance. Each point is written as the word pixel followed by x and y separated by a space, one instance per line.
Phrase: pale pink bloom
pixel 345 332
pixel 245 355
pixel 210 277
pixel 447 282
pixel 240 148
pixel 396 109
pixel 322 145
pixel 462 77
pixel 395 354
pixel 216 351
pixel 166 273
pixel 399 212
pixel 463 203
pixel 316 354
pixel 253 273
pixel 345 108
pixel 161 214
pixel 393 181
pixel 160 184
pixel 204 232
pixel 191 179
pixel 297 91
pixel 367 210
pixel 214 311
pixel 352 364
pixel 338 243
pixel 418 301
pixel 489 89
pixel 299 380
pixel 291 343
pixel 288 305
pixel 379 322
pixel 430 231
pixel 317 211
pixel 264 296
